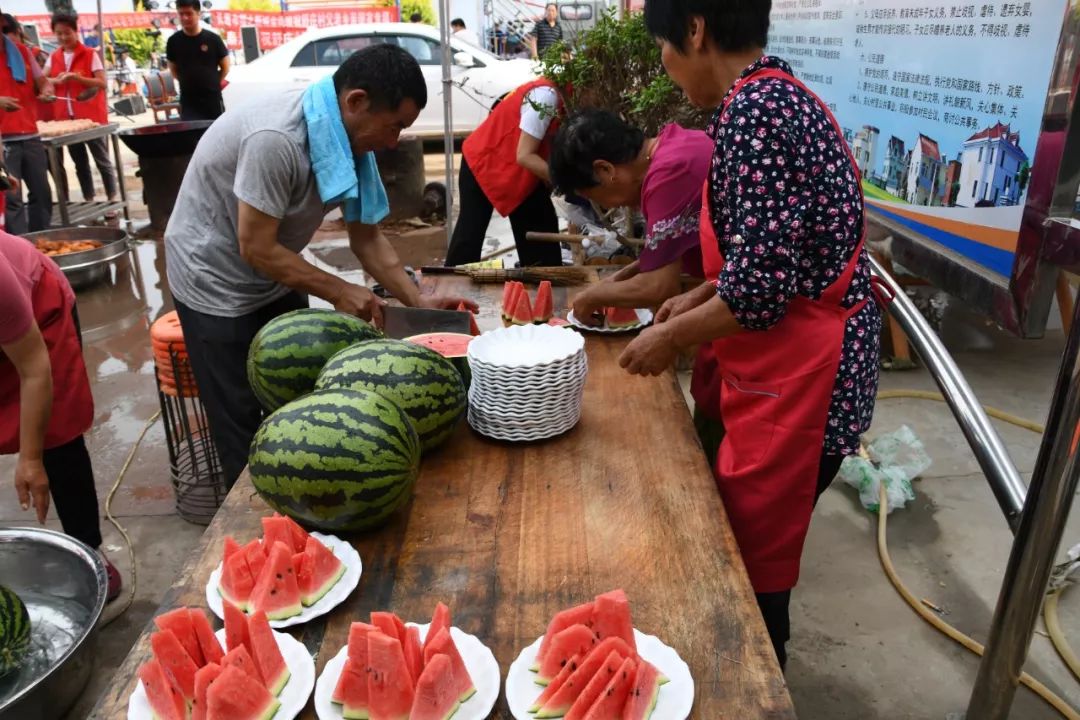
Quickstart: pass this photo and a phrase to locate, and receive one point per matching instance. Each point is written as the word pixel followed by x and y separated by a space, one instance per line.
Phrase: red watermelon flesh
pixel 507 298
pixel 440 620
pixel 447 344
pixel 596 685
pixel 542 308
pixel 609 706
pixel 178 622
pixel 643 693
pixel 622 317
pixel 358 648
pixel 386 624
pixel 267 655
pixel 474 329
pixel 443 644
pixel 276 592
pixel 574 640
pixel 236 632
pixel 611 617
pixel 414 653
pixel 208 643
pixel 299 535
pixel 522 314
pixel 276 529
pixel 177 664
pixel 165 701
pixel 298 567
pixel 236 581
pixel 556 683
pixel 241 658
pixel 235 695
pixel 580 615
pixel 390 688
pixel 435 697
pixel 319 572
pixel 206 675
pixel 559 702
pixel 256 558
pixel 351 691
pixel 231 547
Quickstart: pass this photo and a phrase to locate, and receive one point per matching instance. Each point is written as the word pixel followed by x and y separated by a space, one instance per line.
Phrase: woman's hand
pixel 32 485
pixel 650 353
pixel 680 304
pixel 9 104
pixel 586 310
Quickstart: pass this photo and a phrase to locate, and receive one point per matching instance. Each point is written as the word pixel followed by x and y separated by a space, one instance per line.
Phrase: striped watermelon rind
pixel 336 460
pixel 420 381
pixel 288 353
pixel 14 630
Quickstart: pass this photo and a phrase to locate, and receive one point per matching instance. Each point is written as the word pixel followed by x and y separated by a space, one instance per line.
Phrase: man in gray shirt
pixel 251 201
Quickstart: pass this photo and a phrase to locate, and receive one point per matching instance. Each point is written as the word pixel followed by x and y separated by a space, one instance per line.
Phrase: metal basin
pixel 63 584
pixel 88 267
pixel 165 139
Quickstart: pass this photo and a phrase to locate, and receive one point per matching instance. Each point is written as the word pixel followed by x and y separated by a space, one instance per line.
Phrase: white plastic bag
pixel 895 459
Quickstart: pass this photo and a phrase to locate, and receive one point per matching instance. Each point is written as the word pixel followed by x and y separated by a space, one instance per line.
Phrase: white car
pixel 480 78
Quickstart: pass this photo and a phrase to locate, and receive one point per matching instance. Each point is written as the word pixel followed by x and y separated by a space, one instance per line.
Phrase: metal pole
pixel 448 114
pixel 990 452
pixel 1050 497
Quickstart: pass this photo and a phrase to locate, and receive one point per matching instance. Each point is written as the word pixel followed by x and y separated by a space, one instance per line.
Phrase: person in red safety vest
pixel 788 301
pixel 79 78
pixel 504 168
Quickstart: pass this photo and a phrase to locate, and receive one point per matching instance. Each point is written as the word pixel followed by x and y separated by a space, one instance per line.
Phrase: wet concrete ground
pixel 857 651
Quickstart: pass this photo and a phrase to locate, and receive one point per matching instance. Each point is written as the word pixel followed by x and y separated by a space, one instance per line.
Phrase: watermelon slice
pixel 436 696
pixel 177 664
pixel 542 308
pixel 231 547
pixel 264 649
pixel 522 313
pixel 208 643
pixel 236 580
pixel 299 535
pixel 440 619
pixel 236 632
pixel 237 696
pixel 559 702
pixel 611 617
pixel 256 558
pixel 319 572
pixel 618 318
pixel 203 679
pixel 390 688
pixel 452 346
pixel 178 622
pixel 643 693
pixel 414 653
pixel 351 691
pixel 599 681
pixel 298 567
pixel 609 705
pixel 443 644
pixel 241 658
pixel 556 683
pixel 165 701
pixel 276 529
pixel 386 623
pixel 358 648
pixel 474 329
pixel 574 640
pixel 509 295
pixel 579 615
pixel 276 592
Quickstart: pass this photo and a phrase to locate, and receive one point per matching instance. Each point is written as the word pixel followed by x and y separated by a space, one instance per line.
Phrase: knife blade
pixel 402 322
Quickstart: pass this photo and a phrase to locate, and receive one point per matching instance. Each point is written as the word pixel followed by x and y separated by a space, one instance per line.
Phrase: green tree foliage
pixel 424 7
pixel 138 43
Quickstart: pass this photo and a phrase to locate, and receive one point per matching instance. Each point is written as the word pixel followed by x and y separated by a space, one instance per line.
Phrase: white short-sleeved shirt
pixel 538 109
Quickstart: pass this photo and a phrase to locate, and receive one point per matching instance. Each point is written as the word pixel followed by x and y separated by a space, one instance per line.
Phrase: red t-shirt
pixel 21 265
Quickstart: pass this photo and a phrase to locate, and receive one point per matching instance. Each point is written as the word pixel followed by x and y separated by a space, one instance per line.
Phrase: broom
pixel 569 275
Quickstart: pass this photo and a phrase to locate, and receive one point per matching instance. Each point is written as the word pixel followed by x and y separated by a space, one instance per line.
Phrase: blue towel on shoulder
pixel 340 175
pixel 15 60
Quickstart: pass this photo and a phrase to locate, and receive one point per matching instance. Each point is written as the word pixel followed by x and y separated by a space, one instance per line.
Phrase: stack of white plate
pixel 527 382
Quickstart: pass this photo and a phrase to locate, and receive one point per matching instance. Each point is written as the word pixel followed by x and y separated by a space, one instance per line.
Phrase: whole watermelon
pixel 14 630
pixel 289 351
pixel 336 459
pixel 421 382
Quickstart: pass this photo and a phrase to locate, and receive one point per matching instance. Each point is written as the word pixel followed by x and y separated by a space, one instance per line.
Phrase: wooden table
pixel 509 534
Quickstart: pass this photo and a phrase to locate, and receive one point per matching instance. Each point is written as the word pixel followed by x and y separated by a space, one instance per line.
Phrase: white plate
pixel 511 434
pixel 479 661
pixel 525 346
pixel 345 552
pixel 644 318
pixel 553 397
pixel 674 702
pixel 293 697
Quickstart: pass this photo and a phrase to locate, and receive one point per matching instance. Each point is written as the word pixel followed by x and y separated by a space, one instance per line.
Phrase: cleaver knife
pixel 402 322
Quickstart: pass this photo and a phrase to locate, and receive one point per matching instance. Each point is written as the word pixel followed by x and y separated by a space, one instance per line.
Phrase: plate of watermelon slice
pixel 244 671
pixel 616 320
pixel 448 672
pixel 593 663
pixel 291 575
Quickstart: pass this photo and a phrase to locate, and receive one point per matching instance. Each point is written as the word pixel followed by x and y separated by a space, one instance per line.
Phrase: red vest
pixel 96 108
pixel 20 122
pixel 491 151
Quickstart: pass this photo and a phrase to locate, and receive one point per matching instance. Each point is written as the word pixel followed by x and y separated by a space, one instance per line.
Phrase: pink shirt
pixel 671 199
pixel 21 266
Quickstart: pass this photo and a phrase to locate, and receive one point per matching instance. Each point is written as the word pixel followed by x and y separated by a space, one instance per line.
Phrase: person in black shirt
pixel 199 60
pixel 547 32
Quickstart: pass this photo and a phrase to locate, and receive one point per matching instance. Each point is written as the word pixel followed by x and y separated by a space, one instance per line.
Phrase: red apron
pixel 73 405
pixel 773 390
